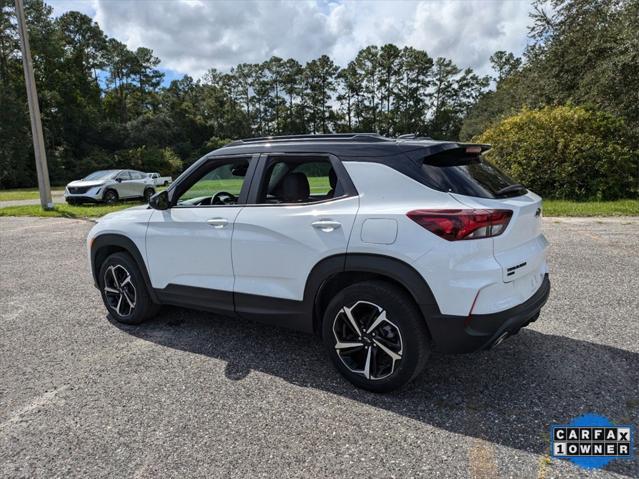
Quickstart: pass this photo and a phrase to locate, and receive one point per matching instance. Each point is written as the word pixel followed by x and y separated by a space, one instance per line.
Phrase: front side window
pixel 219 185
pixel 125 175
pixel 298 180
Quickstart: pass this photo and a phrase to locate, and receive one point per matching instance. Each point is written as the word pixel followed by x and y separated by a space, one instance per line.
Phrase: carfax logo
pixel 591 441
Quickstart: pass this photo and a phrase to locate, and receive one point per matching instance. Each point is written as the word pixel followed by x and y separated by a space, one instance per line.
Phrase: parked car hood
pixel 85 183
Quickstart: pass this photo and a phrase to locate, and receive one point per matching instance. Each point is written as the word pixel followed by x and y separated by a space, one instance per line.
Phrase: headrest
pixel 294 188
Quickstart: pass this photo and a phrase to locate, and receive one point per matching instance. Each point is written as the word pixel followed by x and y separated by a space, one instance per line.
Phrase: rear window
pixel 471 175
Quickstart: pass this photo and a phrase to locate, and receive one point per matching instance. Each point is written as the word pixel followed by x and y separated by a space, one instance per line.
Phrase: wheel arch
pixel 106 244
pixel 333 274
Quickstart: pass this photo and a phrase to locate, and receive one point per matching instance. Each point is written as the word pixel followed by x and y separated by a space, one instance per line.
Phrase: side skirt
pixel 204 299
pixel 274 311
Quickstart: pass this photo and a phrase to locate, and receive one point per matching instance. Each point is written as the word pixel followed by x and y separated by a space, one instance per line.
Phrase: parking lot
pixel 190 394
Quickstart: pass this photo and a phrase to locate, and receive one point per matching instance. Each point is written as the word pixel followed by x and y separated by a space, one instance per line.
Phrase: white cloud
pixel 191 36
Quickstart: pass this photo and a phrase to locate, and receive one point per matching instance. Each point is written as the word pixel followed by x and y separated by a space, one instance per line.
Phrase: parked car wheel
pixel 166 183
pixel 110 197
pixel 73 201
pixel 123 290
pixel 148 193
pixel 376 336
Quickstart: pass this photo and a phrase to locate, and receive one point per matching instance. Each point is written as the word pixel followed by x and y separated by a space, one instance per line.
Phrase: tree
pixel 292 73
pixel 319 79
pixel 389 67
pixel 582 52
pixel 504 64
pixel 349 97
pixel 413 97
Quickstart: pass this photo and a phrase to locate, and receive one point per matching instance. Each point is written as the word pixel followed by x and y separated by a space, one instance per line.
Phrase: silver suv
pixel 108 186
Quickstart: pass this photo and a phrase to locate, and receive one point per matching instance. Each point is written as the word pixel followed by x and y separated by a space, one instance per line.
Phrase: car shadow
pixel 507 396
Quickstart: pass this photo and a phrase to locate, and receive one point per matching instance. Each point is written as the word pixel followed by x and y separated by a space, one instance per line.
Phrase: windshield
pixel 471 176
pixel 101 175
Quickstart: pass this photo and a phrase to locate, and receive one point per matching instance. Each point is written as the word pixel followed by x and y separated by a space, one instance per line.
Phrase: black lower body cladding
pixel 463 334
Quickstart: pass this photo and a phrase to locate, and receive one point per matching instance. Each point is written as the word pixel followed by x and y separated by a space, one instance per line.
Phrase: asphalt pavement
pixel 191 394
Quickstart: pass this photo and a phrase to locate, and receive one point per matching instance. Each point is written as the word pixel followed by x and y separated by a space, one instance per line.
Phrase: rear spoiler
pixel 459 154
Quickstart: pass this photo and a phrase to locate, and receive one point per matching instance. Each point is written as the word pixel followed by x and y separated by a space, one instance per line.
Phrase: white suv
pixel 109 186
pixel 387 248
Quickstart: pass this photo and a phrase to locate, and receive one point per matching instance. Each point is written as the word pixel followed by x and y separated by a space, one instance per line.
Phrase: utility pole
pixel 34 111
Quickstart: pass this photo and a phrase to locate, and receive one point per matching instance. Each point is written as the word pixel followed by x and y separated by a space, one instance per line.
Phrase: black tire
pixel 403 317
pixel 166 183
pixel 73 202
pixel 123 265
pixel 110 197
pixel 147 194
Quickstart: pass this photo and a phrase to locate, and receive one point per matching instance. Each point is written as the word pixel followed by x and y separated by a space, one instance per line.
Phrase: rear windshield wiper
pixel 511 189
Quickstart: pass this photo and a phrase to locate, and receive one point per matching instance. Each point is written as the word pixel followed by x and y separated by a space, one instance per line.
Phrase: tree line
pixel 104 105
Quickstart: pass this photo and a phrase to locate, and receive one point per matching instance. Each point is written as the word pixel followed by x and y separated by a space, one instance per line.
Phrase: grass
pixel 591 208
pixel 65 210
pixel 24 194
pixel 319 185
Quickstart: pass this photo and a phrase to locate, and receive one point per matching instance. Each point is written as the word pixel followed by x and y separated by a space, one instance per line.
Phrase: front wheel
pixel 110 197
pixel 376 336
pixel 124 291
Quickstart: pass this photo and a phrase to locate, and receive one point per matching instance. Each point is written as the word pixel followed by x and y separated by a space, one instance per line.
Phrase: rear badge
pixel 510 271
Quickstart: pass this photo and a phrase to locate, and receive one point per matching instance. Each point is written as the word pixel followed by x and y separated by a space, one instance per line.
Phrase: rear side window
pixel 471 175
pixel 289 179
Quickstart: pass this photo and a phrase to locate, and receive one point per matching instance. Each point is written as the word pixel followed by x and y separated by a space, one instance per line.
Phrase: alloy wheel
pixel 119 290
pixel 367 341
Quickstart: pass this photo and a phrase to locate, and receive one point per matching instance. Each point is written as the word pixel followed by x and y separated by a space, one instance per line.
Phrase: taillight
pixel 454 225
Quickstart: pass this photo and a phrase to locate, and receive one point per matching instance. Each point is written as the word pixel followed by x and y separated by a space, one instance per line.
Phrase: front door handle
pixel 326 225
pixel 218 223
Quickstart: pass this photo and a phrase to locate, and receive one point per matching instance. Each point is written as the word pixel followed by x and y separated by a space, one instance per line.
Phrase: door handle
pixel 326 225
pixel 218 223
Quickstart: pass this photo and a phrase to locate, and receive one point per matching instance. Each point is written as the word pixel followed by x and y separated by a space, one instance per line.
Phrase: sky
pixel 191 36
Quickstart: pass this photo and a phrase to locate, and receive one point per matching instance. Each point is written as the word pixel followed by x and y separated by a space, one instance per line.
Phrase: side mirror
pixel 119 180
pixel 160 201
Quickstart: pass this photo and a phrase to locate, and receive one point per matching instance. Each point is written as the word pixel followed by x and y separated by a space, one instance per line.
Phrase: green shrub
pixel 566 152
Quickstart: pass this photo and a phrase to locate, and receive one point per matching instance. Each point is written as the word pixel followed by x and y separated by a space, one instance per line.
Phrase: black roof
pixel 405 154
pixel 345 145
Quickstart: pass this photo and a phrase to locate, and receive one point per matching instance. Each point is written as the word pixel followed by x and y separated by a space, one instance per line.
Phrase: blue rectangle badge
pixel 591 441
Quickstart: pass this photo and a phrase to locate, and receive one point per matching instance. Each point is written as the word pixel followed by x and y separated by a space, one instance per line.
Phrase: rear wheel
pixel 110 197
pixel 376 336
pixel 123 290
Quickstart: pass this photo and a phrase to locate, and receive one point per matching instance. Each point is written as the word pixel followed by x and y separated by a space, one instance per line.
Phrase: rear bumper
pixel 463 334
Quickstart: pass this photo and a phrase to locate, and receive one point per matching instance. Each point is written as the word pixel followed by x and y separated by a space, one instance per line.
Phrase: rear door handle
pixel 326 225
pixel 218 223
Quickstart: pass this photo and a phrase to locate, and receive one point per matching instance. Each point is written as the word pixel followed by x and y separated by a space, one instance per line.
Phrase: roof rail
pixel 361 137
